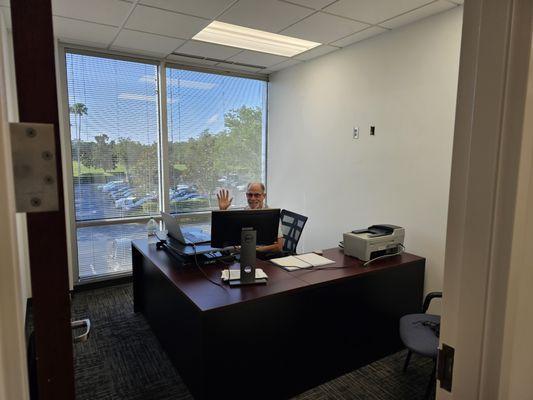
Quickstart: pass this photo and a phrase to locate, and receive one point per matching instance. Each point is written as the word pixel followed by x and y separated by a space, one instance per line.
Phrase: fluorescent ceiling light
pixel 252 39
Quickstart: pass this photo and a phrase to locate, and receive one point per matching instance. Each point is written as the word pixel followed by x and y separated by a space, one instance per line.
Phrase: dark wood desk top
pixel 207 296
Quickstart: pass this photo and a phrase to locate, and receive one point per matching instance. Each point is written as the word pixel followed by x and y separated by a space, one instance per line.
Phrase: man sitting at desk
pixel 255 196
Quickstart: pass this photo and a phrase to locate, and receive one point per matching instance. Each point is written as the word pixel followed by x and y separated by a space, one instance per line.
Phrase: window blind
pixel 113 107
pixel 216 137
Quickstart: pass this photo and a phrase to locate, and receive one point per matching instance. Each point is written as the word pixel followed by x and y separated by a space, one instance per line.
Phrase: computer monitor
pixel 226 226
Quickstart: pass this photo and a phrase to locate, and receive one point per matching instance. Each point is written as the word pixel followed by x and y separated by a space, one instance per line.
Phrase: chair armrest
pixel 430 296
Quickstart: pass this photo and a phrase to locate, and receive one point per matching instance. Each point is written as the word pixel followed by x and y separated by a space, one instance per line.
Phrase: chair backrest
pixel 292 225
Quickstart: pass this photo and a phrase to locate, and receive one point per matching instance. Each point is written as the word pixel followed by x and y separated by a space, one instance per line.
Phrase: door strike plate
pixel 445 366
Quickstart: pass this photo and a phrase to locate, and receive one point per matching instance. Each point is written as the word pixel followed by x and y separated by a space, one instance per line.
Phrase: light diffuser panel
pixel 253 39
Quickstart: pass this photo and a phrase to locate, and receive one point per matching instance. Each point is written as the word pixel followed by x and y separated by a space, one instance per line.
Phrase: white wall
pixel 405 83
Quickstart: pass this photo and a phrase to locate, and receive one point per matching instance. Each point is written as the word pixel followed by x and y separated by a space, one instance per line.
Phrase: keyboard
pixel 193 238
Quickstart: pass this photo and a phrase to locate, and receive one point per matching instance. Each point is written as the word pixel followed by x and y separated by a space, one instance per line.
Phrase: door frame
pixel 13 370
pixel 496 43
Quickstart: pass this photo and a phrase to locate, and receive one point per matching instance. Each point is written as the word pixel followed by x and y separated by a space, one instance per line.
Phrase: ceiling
pixel 164 28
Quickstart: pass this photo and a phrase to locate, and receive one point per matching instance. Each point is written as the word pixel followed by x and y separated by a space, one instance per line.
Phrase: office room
pixel 361 120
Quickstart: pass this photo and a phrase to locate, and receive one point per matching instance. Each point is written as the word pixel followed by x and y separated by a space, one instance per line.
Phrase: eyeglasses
pixel 257 195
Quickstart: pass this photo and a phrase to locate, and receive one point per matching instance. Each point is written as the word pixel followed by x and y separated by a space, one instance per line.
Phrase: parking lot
pixel 106 249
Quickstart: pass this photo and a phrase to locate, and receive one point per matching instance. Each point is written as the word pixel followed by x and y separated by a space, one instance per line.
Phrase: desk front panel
pixel 286 344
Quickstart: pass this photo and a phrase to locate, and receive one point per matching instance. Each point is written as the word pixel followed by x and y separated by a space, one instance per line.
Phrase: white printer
pixel 376 241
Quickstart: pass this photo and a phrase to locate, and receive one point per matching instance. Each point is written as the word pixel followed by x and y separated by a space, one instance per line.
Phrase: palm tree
pixel 80 110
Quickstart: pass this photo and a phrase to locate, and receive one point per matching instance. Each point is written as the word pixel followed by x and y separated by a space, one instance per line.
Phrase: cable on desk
pixel 202 271
pixel 386 255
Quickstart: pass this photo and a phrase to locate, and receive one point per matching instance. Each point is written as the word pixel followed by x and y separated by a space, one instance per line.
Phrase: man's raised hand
pixel 224 201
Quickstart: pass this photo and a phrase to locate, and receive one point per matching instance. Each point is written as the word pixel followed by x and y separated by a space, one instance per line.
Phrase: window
pixel 113 108
pixel 214 138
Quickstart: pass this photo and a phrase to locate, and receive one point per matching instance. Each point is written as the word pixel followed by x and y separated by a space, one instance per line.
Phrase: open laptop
pixel 184 237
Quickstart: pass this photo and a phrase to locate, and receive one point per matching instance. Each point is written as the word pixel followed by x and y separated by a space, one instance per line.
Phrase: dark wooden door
pixel 33 44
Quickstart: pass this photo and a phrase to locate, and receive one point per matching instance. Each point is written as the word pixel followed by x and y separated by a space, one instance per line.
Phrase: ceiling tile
pixel 202 49
pixel 147 42
pixel 419 13
pixel 80 32
pixel 201 8
pixel 316 4
pixel 373 11
pixel 282 65
pixel 110 12
pixel 357 37
pixel 166 23
pixel 323 28
pixel 266 15
pixel 316 52
pixel 257 58
pixel 190 61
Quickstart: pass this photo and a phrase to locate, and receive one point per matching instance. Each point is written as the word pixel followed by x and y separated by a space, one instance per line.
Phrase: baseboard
pixel 102 284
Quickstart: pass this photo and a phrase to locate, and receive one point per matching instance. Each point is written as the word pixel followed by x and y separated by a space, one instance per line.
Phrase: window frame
pixel 164 180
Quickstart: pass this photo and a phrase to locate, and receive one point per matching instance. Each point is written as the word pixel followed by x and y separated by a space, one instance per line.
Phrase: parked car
pixel 138 204
pixel 118 188
pixel 112 185
pixel 126 193
pixel 185 196
pixel 125 201
pixel 181 192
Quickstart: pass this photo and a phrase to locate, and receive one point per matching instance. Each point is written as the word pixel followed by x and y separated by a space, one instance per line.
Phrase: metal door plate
pixel 34 167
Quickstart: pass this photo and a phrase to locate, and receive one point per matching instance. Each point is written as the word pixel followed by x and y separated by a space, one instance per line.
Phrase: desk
pixel 277 340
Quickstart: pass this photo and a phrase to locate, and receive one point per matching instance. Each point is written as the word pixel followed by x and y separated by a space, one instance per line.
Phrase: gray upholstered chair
pixel 420 334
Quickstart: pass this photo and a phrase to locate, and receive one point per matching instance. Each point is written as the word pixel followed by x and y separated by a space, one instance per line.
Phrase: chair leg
pixel 431 382
pixel 407 359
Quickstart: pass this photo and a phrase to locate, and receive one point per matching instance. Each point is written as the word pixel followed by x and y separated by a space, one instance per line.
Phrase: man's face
pixel 255 196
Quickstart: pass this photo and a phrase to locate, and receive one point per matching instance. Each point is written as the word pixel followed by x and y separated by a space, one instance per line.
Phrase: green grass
pixel 180 167
pixel 93 170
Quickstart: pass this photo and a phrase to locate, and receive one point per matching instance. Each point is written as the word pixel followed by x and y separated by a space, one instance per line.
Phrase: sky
pixel 121 99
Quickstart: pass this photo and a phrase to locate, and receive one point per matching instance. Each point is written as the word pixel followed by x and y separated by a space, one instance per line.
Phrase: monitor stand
pixel 247 262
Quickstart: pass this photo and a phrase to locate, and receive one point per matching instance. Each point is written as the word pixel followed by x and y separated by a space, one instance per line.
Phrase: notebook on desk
pixel 301 261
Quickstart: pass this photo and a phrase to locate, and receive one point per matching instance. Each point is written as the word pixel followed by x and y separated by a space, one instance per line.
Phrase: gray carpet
pixel 122 360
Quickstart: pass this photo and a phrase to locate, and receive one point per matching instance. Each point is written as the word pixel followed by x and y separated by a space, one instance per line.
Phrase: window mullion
pixel 163 140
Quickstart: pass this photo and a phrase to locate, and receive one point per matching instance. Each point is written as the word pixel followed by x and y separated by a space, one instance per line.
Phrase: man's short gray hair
pixel 256 183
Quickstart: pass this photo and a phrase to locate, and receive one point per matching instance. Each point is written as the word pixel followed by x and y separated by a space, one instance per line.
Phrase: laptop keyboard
pixel 191 237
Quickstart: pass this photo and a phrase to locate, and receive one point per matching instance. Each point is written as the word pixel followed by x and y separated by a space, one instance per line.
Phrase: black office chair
pixel 420 334
pixel 292 225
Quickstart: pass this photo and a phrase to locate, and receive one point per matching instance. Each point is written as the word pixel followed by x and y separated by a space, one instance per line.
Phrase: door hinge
pixel 33 149
pixel 445 367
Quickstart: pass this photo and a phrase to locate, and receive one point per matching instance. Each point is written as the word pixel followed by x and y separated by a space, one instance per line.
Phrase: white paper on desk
pixel 314 259
pixel 236 274
pixel 292 263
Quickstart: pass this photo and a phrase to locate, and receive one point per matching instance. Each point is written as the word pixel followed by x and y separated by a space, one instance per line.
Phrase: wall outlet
pixel 356 132
pixel 372 130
